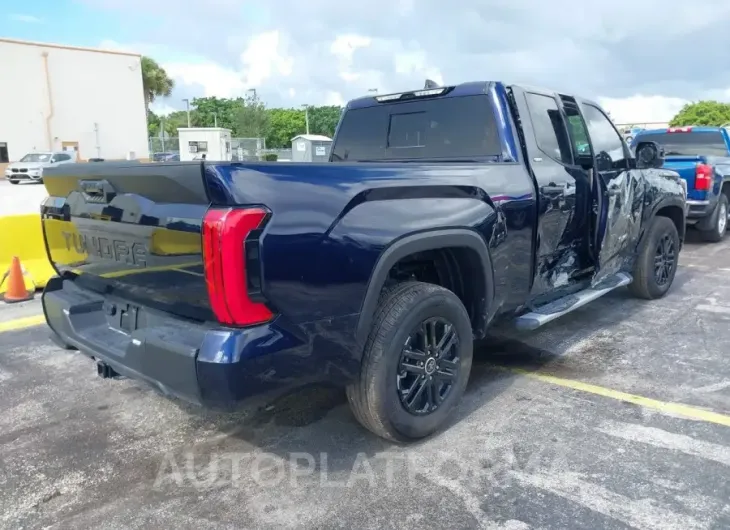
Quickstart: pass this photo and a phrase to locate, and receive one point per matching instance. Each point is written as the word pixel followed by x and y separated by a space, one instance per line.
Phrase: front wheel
pixel 657 261
pixel 416 363
pixel 14 181
pixel 718 221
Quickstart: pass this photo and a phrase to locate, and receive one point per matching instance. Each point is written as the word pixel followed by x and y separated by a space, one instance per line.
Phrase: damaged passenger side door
pixel 619 193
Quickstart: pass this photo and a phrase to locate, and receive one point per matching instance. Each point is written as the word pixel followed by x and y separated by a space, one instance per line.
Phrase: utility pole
pixel 306 115
pixel 187 106
pixel 215 120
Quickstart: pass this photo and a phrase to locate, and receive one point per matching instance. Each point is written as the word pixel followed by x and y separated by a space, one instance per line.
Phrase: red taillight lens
pixel 224 258
pixel 703 177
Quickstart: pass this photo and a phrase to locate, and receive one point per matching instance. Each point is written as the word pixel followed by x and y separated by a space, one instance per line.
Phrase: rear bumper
pixel 201 364
pixel 698 209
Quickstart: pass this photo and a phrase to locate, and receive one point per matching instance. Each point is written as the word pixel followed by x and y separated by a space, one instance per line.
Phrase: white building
pixel 212 142
pixel 62 97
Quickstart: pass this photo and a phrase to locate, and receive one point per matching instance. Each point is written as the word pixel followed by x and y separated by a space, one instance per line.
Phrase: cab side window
pixel 608 147
pixel 550 132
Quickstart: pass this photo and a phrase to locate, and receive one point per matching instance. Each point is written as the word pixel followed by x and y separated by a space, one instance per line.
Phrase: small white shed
pixel 213 142
pixel 310 148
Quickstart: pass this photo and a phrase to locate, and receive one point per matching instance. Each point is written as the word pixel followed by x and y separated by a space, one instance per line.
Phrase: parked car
pixel 701 156
pixel 166 157
pixel 32 165
pixel 441 212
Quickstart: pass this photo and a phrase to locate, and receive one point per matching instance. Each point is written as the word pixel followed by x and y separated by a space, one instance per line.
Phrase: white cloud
pixel 642 109
pixel 161 108
pixel 322 51
pixel 214 79
pixel 28 19
pixel 264 57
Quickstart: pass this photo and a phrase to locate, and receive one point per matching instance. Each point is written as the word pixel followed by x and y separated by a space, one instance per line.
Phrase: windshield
pixel 36 157
pixel 442 128
pixel 695 143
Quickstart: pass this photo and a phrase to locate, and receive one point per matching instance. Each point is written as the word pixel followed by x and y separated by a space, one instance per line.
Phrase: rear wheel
pixel 656 264
pixel 718 221
pixel 416 363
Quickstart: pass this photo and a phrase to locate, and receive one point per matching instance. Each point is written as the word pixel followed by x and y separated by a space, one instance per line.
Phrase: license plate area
pixel 123 316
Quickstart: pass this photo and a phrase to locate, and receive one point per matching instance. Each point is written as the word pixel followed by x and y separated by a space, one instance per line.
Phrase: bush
pixel 271 157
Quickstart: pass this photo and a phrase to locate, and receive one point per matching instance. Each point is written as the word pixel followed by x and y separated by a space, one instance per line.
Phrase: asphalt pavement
pixel 21 198
pixel 616 416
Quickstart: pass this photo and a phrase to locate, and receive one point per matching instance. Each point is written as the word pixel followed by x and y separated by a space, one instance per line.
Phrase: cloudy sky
pixel 642 59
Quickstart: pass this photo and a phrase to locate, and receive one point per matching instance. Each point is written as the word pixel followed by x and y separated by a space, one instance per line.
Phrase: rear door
pixel 131 232
pixel 564 191
pixel 619 192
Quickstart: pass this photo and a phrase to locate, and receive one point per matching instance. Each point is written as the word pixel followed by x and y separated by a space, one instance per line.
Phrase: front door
pixel 71 148
pixel 619 193
pixel 564 193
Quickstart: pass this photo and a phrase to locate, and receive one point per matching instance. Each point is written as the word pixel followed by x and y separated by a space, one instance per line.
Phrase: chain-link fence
pixel 242 149
pixel 283 155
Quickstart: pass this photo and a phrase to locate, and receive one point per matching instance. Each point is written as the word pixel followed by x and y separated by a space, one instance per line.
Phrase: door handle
pixel 556 188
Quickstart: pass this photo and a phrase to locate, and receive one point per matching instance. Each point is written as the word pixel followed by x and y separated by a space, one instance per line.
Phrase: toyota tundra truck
pixel 440 213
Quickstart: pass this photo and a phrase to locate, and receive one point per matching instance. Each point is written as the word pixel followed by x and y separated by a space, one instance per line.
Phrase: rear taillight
pixel 224 256
pixel 703 177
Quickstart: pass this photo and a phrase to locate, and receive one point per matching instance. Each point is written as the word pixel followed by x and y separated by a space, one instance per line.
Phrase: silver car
pixel 31 166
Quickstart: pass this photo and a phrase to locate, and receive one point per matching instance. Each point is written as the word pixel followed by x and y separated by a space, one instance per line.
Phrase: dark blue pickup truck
pixel 701 156
pixel 441 212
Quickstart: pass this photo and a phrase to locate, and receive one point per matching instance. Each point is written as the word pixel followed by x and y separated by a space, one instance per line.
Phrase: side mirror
pixel 649 155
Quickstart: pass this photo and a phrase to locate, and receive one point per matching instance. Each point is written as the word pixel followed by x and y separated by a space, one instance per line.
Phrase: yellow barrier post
pixel 22 236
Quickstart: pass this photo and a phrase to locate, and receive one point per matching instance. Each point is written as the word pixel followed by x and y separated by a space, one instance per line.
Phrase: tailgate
pixel 130 231
pixel 686 166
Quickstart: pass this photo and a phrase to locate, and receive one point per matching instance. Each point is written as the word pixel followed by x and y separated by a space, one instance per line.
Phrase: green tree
pixel 709 113
pixel 285 124
pixel 323 120
pixel 212 110
pixel 155 82
pixel 252 118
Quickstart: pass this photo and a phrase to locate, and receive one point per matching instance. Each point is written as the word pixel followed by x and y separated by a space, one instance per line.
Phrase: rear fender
pixel 420 242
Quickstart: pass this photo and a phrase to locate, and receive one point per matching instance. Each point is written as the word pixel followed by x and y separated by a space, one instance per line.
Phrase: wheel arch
pixel 674 210
pixel 431 240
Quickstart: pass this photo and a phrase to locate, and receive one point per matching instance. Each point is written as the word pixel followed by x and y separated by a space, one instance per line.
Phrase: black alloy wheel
pixel 429 366
pixel 665 260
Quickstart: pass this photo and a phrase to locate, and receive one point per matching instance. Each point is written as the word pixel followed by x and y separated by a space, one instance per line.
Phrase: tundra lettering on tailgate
pixel 107 248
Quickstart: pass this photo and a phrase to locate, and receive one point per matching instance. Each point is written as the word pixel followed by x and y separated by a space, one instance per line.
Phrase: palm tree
pixel 155 81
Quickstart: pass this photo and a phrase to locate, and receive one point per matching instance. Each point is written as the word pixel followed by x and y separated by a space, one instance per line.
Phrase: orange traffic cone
pixel 16 291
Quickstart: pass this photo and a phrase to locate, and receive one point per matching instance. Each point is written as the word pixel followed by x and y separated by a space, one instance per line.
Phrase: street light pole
pixel 306 116
pixel 187 106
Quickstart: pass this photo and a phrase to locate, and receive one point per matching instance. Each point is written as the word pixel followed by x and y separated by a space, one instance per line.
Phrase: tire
pixel 375 396
pixel 718 222
pixel 646 285
pixel 14 181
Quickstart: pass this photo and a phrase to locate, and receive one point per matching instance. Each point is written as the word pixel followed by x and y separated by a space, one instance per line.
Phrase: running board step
pixel 561 306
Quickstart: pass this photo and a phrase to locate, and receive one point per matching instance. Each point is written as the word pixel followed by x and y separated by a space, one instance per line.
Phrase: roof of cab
pixel 471 88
